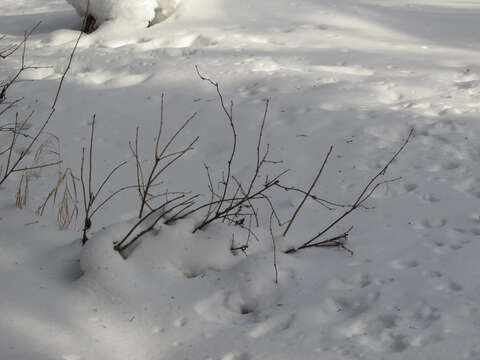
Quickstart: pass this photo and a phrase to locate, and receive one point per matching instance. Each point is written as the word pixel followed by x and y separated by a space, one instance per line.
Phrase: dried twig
pixel 162 160
pixel 89 195
pixel 11 49
pixel 15 164
pixel 157 214
pixel 68 207
pixel 50 147
pixel 308 192
pixel 274 249
pixel 235 202
pixel 367 191
pixel 229 113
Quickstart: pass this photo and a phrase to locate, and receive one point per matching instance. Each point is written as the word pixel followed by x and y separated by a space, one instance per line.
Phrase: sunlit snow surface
pixel 356 74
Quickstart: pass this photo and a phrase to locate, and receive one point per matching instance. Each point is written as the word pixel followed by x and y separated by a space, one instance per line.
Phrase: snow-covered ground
pixel 356 74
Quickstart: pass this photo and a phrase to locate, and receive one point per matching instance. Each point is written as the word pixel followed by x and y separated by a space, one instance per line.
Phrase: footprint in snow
pixel 180 322
pixel 233 356
pixel 441 248
pixel 425 315
pixel 356 281
pixel 432 274
pixel 351 306
pixel 225 306
pixel 274 324
pixel 377 332
pixel 456 240
pixel 449 286
pixel 430 198
pixel 404 264
pixel 429 223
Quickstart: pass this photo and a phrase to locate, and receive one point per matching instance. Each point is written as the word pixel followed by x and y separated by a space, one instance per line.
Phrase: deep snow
pixel 356 74
pixel 135 13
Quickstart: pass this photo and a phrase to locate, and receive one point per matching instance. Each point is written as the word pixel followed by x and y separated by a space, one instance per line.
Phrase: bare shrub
pixel 235 203
pixel 367 191
pixel 170 205
pixel 162 160
pixel 11 160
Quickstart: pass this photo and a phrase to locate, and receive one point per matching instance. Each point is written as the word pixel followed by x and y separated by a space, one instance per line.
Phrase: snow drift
pixel 141 12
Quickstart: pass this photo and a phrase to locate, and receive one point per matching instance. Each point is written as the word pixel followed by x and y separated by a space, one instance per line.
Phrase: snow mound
pixel 173 247
pixel 141 12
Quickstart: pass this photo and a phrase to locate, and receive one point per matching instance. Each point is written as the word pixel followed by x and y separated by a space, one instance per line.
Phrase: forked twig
pixel 160 156
pixel 308 192
pixel 365 194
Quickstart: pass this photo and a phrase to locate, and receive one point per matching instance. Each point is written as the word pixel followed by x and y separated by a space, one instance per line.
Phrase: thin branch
pixel 364 195
pixel 274 249
pixel 38 166
pixel 13 165
pixel 4 53
pixel 159 156
pixel 72 54
pixel 119 246
pixel 229 114
pixel 336 241
pixel 308 192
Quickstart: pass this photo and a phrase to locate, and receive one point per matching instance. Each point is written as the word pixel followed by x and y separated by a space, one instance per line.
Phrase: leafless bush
pixel 162 160
pixel 170 204
pixel 233 203
pixel 11 160
pixel 42 148
pixel 367 191
pixel 236 203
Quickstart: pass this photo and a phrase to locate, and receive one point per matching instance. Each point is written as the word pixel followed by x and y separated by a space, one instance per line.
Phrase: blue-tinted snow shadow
pixel 441 25
pixel 16 25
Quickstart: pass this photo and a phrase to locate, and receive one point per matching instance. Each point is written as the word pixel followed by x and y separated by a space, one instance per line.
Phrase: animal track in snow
pixel 430 197
pixel 233 356
pixel 356 281
pixel 425 315
pixel 404 264
pixel 180 322
pixel 429 223
pixel 274 324
pixel 450 286
pixel 432 274
pixel 351 306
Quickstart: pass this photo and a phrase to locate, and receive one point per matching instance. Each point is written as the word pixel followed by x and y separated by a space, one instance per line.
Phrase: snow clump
pixel 141 12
